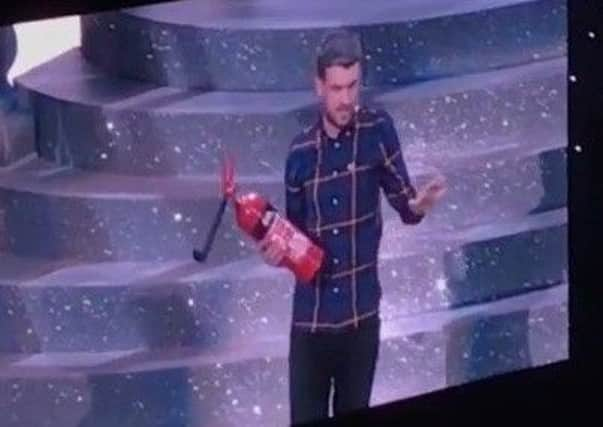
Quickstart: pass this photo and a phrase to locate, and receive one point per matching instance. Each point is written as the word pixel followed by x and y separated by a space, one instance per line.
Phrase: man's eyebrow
pixel 336 86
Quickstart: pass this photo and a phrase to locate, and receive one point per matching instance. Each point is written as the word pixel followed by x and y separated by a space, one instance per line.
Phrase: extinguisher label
pixel 296 242
pixel 298 245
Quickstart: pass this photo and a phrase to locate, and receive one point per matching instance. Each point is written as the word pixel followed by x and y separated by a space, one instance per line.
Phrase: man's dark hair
pixel 340 47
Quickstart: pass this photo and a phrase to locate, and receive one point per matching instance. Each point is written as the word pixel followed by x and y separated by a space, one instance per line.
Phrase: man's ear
pixel 318 86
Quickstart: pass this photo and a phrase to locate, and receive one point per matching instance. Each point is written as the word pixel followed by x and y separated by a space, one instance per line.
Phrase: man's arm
pixel 294 189
pixel 394 177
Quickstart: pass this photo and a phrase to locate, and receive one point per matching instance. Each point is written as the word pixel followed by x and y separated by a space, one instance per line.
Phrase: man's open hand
pixel 429 195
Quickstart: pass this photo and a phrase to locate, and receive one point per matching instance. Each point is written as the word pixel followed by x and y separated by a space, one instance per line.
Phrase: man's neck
pixel 331 129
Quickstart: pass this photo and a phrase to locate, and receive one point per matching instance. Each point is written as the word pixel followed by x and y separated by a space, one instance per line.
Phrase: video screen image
pixel 271 212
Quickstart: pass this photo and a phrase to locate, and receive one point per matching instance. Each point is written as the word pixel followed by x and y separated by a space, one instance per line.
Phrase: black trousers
pixel 346 358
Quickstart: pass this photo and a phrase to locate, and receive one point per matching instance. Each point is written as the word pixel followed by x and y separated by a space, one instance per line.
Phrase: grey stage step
pixel 87 120
pixel 249 386
pixel 270 44
pixel 70 306
pixel 104 217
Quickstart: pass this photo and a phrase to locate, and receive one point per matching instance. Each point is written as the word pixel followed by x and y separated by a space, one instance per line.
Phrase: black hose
pixel 201 255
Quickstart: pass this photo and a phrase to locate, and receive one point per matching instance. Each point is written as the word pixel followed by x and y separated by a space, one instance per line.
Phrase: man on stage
pixel 335 171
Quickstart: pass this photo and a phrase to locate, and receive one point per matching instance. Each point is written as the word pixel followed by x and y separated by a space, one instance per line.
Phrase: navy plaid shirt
pixel 333 194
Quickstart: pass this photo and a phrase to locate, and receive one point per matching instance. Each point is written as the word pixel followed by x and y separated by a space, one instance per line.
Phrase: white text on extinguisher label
pixel 296 242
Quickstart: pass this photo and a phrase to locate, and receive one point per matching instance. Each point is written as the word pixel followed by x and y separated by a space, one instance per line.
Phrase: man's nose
pixel 346 98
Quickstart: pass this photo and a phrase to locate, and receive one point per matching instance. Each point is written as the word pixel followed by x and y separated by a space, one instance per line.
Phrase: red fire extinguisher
pixel 260 220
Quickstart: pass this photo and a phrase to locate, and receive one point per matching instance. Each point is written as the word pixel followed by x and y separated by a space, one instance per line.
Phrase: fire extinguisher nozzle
pixel 199 256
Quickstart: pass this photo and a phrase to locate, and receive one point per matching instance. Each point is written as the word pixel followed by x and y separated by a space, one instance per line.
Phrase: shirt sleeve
pixel 394 177
pixel 294 199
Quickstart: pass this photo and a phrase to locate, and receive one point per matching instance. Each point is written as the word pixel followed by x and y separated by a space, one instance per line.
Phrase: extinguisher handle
pixel 201 255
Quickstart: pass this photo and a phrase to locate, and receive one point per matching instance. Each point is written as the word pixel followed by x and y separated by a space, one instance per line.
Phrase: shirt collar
pixel 344 132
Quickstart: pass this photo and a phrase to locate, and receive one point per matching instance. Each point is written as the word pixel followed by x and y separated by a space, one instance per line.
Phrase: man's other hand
pixel 429 195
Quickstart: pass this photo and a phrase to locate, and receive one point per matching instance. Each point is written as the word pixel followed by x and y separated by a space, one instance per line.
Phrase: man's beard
pixel 334 122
